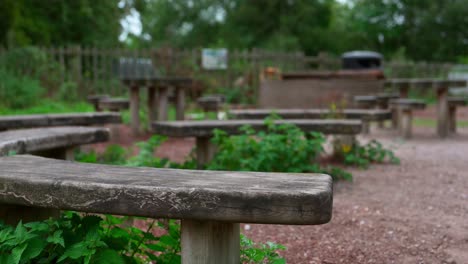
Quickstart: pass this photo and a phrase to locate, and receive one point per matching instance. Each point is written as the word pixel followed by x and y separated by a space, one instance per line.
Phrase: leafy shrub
pixel 281 148
pixel 363 155
pixel 68 91
pixel 18 91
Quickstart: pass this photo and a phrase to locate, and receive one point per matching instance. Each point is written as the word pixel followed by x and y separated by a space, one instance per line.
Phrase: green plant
pixel 68 91
pixel 262 253
pixel 363 155
pixel 281 148
pixel 18 91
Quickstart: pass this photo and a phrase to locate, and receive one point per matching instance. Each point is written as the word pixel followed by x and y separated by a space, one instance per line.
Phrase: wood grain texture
pixel 38 139
pixel 48 120
pixel 239 197
pixel 205 128
pixel 405 103
pixel 368 114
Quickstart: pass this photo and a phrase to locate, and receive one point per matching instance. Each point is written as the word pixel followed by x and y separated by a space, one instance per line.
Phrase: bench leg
pixel 205 151
pixel 453 119
pixel 162 103
pixel 394 118
pixel 135 109
pixel 152 103
pixel 342 143
pixel 210 242
pixel 365 127
pixel 180 103
pixel 12 214
pixel 406 123
pixel 383 106
pixel 59 153
pixel 442 113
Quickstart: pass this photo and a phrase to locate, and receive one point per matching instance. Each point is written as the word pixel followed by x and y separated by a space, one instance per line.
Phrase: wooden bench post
pixel 205 151
pixel 162 103
pixel 152 103
pixel 452 119
pixel 180 102
pixel 210 242
pixel 442 110
pixel 135 108
pixel 406 120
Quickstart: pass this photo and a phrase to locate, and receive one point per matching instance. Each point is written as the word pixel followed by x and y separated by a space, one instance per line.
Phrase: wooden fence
pixel 97 70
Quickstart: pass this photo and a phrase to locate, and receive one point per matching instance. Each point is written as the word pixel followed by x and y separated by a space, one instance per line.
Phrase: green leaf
pixel 74 252
pixel 16 254
pixel 34 247
pixel 107 256
pixel 56 238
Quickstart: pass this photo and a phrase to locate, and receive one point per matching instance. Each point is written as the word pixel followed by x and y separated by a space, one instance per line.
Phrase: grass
pixel 428 122
pixel 50 106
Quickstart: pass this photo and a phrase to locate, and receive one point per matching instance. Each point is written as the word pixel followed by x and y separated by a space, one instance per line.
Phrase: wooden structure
pixel 405 109
pixel 365 115
pixel 453 103
pixel 210 204
pixel 56 142
pixel 114 104
pixel 440 87
pixel 95 99
pixel 203 130
pixel 158 94
pixel 51 120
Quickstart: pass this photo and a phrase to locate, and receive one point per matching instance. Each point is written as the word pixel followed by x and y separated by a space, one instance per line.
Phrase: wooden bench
pixel 383 102
pixel 95 99
pixel 50 120
pixel 56 142
pixel 453 103
pixel 405 109
pixel 114 104
pixel 203 130
pixel 366 101
pixel 211 103
pixel 210 204
pixel 365 115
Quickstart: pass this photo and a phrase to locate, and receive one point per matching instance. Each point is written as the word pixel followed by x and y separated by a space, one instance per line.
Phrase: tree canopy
pixel 413 29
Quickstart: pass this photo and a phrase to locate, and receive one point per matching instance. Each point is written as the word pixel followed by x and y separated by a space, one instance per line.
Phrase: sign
pixel 214 59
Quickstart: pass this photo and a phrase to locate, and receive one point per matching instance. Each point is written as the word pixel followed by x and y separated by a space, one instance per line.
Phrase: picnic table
pixel 440 87
pixel 158 88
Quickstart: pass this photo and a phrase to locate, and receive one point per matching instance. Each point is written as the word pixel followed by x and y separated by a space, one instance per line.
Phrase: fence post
pixel 76 66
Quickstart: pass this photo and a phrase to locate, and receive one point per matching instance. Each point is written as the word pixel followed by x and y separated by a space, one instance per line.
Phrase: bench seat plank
pixel 205 128
pixel 246 197
pixel 38 139
pixel 48 120
pixel 368 114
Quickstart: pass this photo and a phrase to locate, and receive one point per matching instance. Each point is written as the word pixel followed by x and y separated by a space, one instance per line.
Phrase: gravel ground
pixel 415 212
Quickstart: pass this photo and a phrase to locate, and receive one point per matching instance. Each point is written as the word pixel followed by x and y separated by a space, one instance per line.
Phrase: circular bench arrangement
pixel 405 109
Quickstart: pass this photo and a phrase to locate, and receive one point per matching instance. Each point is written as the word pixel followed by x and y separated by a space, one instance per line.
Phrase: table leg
pixel 453 119
pixel 406 123
pixel 205 151
pixel 210 242
pixel 152 104
pixel 162 105
pixel 442 112
pixel 134 109
pixel 180 103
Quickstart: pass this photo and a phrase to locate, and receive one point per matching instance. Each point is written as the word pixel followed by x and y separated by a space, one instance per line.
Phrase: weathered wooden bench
pixel 95 99
pixel 453 103
pixel 50 120
pixel 56 142
pixel 210 204
pixel 405 109
pixel 203 130
pixel 114 104
pixel 366 101
pixel 383 102
pixel 365 115
pixel 211 103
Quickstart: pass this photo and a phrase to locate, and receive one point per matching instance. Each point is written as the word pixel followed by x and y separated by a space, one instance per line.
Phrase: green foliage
pixel 49 106
pixel 363 155
pixel 263 253
pixel 281 148
pixel 18 91
pixel 68 91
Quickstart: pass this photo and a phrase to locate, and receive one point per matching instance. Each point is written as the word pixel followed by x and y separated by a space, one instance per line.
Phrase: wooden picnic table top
pixel 368 114
pixel 49 120
pixel 205 128
pixel 236 197
pixel 38 139
pixel 175 80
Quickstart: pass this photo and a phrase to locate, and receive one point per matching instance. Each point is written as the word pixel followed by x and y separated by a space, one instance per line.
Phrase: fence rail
pixel 98 70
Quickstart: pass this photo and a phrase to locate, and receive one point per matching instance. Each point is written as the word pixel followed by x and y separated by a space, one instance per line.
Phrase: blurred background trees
pixel 435 30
